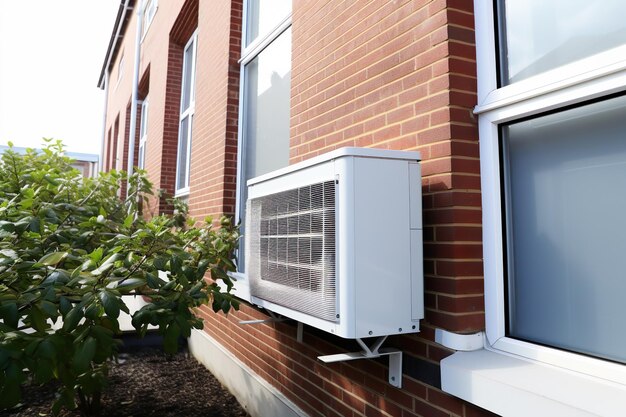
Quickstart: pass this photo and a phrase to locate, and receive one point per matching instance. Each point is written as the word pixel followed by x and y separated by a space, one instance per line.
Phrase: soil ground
pixel 147 383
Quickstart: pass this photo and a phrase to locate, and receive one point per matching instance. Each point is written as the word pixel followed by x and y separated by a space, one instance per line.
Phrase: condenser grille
pixel 292 249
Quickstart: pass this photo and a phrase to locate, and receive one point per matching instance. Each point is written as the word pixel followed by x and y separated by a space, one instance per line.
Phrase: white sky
pixel 51 54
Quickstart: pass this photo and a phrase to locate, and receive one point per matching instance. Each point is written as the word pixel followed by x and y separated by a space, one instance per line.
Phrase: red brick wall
pixel 386 74
pixel 214 143
pixel 401 75
pixel 395 75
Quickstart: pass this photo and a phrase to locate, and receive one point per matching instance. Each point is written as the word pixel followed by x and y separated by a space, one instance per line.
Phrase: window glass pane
pixel 188 68
pixel 565 184
pixel 183 143
pixel 264 15
pixel 141 156
pixel 540 35
pixel 268 82
pixel 144 118
pixel 266 118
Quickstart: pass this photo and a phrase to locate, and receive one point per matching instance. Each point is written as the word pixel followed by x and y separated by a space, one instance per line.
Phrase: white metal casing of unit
pixel 378 260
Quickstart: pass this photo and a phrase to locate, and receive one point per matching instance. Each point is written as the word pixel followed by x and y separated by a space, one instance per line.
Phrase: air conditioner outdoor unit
pixel 335 242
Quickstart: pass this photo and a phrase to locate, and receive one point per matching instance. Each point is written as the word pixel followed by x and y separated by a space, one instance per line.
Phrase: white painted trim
pixel 554 80
pixel 182 193
pixel 256 47
pixel 257 396
pixel 145 25
pixel 143 133
pixel 189 112
pixel 247 55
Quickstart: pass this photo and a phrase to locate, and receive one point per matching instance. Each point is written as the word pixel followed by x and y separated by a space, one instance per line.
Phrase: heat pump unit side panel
pixel 417 276
pixel 382 247
pixel 346 295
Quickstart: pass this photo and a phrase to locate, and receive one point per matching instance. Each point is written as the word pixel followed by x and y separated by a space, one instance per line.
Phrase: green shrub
pixel 70 248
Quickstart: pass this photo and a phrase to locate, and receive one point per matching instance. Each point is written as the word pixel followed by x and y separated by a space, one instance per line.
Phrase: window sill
pixel 183 193
pixel 512 386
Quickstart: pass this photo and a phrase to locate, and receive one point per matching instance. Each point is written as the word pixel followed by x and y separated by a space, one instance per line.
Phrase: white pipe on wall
pixel 106 83
pixel 134 98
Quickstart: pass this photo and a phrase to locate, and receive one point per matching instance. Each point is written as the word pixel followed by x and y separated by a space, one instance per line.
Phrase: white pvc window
pixel 187 109
pixel 538 35
pixel 143 134
pixel 263 16
pixel 150 9
pixel 565 201
pixel 120 69
pixel 265 91
pixel 553 172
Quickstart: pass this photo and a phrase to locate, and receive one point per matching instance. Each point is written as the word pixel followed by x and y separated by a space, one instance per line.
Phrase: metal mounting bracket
pixel 273 319
pixel 395 358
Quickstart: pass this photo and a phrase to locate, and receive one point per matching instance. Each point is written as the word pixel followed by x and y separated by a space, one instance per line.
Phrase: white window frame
pixel 591 78
pixel 150 8
pixel 509 376
pixel 143 134
pixel 249 53
pixel 187 113
pixel 120 70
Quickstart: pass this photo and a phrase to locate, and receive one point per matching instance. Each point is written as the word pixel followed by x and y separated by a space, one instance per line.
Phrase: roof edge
pixel 118 27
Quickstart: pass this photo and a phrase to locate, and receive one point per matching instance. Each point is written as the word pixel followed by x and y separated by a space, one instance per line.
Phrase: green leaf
pixel 46 349
pixel 52 258
pixel 72 318
pixel 44 372
pixel 96 255
pixel 10 394
pixel 35 225
pixel 110 303
pixel 64 305
pixel 9 253
pixel 9 313
pixel 128 221
pixel 175 264
pixel 107 264
pixel 84 354
pixel 160 263
pixel 170 339
pixel 7 226
pixel 50 309
pixel 130 284
pixel 38 319
pixel 93 311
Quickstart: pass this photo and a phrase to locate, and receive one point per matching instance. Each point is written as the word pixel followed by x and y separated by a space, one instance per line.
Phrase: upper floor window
pixel 263 17
pixel 143 134
pixel 120 68
pixel 266 89
pixel 187 110
pixel 537 36
pixel 552 84
pixel 150 9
